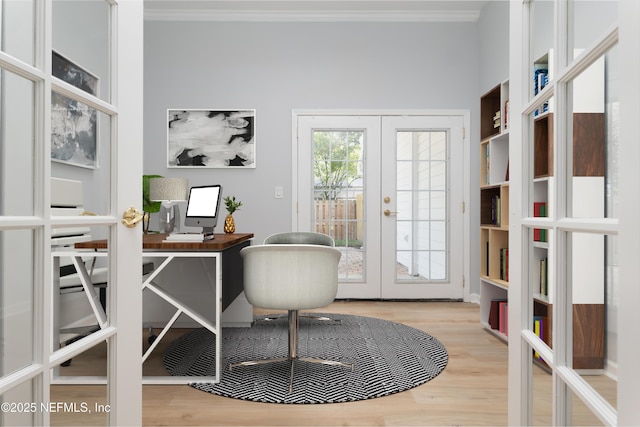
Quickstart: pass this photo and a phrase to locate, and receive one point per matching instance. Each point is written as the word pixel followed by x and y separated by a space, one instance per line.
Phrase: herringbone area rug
pixel 389 358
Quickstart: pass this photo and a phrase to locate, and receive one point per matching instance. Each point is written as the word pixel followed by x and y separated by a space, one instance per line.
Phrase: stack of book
pixel 540 80
pixel 496 120
pixel 499 316
pixel 539 210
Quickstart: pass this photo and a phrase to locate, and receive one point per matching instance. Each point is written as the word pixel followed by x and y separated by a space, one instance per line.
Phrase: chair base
pixel 304 316
pixel 292 357
pixel 292 364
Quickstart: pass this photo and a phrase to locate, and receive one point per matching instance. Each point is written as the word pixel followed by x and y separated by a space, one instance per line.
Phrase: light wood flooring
pixel 471 391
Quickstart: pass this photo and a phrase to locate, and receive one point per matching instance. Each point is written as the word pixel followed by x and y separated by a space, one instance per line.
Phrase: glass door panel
pixel 542 59
pixel 17 300
pixel 17 142
pixel 83 65
pixel 421 224
pixel 339 195
pixel 588 20
pixel 79 405
pixel 17 21
pixel 542 397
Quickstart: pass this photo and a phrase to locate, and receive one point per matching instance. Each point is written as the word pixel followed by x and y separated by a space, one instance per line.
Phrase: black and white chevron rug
pixel 389 358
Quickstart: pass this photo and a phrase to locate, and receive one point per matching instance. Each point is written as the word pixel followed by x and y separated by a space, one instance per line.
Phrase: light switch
pixel 279 192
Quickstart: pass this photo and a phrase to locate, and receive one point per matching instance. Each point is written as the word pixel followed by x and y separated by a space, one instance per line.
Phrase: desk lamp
pixel 169 191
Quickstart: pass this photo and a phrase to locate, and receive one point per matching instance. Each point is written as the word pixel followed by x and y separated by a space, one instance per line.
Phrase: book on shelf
pixel 539 210
pixel 495 313
pixel 495 210
pixel 539 328
pixel 544 277
pixel 487 252
pixel 488 171
pixel 506 115
pixel 504 264
pixel 188 237
pixel 503 321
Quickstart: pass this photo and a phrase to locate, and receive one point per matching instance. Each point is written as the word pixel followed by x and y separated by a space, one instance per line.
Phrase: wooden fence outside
pixel 340 219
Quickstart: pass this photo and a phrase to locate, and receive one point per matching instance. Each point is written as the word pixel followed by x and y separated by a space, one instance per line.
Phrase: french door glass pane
pixel 80 405
pixel 541 37
pixel 17 303
pixel 593 274
pixel 23 394
pixel 542 396
pixel 81 137
pixel 338 195
pixel 593 128
pixel 17 21
pixel 581 415
pixel 81 308
pixel 588 20
pixel 84 65
pixel 17 144
pixel 421 192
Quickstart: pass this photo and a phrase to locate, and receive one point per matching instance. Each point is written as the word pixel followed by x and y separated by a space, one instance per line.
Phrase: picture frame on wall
pixel 208 138
pixel 74 125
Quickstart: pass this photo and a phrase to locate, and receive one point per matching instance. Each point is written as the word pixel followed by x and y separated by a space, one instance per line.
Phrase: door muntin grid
pixel 422 225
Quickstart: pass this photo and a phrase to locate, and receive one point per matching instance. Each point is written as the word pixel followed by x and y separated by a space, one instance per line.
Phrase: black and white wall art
pixel 74 125
pixel 211 138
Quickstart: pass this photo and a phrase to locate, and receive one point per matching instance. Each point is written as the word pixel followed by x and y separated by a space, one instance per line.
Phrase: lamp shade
pixel 168 189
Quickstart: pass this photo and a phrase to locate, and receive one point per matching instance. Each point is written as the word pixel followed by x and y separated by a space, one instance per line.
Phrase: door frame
pixel 465 114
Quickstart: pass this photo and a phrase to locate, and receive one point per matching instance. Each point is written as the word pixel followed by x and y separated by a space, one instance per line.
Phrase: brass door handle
pixel 131 217
pixel 387 212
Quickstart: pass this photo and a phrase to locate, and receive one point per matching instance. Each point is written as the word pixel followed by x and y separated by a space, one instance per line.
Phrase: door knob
pixel 387 212
pixel 131 217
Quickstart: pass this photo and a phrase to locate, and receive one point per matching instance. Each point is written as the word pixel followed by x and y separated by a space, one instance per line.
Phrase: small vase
pixel 145 222
pixel 229 224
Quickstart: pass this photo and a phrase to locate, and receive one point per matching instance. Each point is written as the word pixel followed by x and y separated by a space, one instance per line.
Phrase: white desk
pixel 224 250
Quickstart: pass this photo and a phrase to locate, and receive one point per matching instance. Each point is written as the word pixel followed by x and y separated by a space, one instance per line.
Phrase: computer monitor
pixel 203 207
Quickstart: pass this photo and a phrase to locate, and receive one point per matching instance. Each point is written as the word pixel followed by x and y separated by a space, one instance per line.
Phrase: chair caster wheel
pixel 151 339
pixel 66 363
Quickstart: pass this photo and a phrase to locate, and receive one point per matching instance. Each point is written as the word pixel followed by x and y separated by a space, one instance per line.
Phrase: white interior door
pixel 350 183
pixel 69 123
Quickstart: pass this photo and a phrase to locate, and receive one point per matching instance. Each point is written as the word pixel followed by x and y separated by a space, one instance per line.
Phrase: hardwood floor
pixel 472 390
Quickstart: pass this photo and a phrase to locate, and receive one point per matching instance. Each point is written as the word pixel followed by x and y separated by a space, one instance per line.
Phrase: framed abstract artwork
pixel 74 125
pixel 211 138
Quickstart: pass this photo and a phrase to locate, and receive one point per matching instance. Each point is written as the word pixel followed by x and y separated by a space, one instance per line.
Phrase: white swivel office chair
pixel 292 277
pixel 303 238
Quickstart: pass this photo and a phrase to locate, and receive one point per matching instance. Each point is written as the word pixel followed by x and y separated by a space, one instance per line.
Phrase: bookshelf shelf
pixel 494 209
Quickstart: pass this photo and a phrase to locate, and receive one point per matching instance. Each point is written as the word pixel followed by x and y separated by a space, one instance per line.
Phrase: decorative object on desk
pixel 211 138
pixel 232 205
pixel 148 206
pixel 74 126
pixel 390 357
pixel 168 191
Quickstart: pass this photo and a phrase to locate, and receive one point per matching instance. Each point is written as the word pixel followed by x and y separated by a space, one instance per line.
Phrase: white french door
pixel 81 125
pixel 422 202
pixel 389 190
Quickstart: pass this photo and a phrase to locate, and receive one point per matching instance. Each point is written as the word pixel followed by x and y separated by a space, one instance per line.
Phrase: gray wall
pixel 278 67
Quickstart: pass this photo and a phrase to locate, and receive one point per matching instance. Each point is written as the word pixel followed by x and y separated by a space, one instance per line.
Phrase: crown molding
pixel 311 15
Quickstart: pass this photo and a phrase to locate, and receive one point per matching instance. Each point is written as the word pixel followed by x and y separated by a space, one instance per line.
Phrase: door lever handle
pixel 387 212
